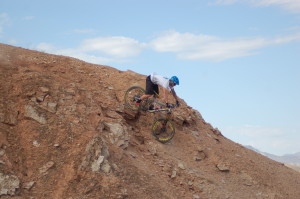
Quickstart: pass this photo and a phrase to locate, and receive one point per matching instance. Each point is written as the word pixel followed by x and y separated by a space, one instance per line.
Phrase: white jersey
pixel 161 81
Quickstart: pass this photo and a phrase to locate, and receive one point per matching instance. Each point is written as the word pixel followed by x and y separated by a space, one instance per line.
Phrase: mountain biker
pixel 153 81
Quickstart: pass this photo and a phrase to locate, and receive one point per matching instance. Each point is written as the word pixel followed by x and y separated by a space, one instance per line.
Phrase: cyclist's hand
pixel 177 103
pixel 169 105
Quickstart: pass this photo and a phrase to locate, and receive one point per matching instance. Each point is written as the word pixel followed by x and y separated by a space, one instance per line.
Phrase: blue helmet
pixel 175 80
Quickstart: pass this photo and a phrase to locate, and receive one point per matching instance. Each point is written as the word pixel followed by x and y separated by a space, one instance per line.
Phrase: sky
pixel 238 61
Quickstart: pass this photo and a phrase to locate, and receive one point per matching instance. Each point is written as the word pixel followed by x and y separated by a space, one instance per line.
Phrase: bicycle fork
pixel 165 123
pixel 164 126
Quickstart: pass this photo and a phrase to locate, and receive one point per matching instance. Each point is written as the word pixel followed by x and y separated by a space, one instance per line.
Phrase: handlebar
pixel 171 105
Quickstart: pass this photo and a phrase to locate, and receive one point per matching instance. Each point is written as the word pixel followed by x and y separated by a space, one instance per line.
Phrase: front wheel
pixel 163 130
pixel 131 96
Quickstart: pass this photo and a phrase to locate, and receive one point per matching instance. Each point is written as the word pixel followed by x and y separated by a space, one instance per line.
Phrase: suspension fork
pixel 164 123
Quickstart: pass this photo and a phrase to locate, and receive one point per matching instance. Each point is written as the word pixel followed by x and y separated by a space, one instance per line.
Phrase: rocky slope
pixel 65 133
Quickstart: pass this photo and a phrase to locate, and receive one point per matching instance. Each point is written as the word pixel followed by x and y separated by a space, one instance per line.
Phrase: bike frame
pixel 159 110
pixel 154 101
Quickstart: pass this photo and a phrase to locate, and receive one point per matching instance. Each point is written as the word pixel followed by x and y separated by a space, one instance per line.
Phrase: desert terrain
pixel 66 134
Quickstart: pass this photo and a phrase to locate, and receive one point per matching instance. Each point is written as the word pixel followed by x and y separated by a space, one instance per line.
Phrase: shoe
pixel 138 102
pixel 151 107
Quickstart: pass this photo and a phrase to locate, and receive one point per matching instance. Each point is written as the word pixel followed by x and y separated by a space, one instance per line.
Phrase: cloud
pixel 172 41
pixel 76 53
pixel 206 47
pixel 116 46
pixel 289 5
pixel 4 20
pixel 46 47
pixel 97 59
pixel 100 50
pixel 12 41
pixel 186 46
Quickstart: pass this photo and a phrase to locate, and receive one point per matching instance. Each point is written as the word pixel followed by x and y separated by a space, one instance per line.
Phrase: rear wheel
pixel 163 130
pixel 131 96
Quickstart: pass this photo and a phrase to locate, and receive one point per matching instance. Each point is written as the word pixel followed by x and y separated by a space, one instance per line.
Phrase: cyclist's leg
pixel 144 97
pixel 155 89
pixel 150 86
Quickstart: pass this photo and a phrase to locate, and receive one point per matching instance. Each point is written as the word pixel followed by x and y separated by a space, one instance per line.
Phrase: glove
pixel 170 105
pixel 177 103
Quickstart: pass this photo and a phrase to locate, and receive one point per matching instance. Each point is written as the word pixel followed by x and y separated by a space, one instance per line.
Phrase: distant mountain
pixel 292 159
pixel 252 148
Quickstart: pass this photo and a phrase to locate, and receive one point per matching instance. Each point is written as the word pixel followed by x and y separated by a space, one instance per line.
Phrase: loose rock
pixel 181 166
pixel 28 185
pixel 44 169
pixel 9 184
pixel 223 167
pixel 32 113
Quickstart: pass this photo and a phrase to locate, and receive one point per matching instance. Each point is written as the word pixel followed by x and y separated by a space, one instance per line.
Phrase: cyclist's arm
pixel 165 92
pixel 174 94
pixel 175 97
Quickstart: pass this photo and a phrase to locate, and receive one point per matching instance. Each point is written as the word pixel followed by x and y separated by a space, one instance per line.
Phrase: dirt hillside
pixel 65 134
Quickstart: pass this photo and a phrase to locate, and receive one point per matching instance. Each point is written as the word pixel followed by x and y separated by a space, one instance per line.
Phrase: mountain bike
pixel 162 128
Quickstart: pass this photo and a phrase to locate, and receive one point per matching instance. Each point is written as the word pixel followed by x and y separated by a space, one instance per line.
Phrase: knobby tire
pixel 163 130
pixel 131 94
